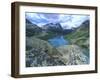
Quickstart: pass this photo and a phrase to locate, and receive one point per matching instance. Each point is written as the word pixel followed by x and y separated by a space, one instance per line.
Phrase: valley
pixel 52 45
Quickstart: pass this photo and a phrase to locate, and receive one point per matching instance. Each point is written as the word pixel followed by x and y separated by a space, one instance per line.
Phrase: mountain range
pixel 32 29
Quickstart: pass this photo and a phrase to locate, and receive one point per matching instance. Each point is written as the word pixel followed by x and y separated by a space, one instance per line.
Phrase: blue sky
pixel 67 21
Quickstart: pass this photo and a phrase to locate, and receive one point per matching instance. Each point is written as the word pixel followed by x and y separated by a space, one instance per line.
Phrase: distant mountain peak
pixel 53 27
pixel 28 22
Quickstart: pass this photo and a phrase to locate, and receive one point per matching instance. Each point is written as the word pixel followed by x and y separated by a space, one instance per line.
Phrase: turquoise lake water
pixel 58 41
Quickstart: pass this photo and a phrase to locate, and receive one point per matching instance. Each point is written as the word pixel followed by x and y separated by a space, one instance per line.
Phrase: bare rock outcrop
pixel 73 55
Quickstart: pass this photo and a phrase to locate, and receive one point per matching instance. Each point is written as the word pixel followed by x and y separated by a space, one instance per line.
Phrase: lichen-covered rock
pixel 41 53
pixel 37 58
pixel 73 55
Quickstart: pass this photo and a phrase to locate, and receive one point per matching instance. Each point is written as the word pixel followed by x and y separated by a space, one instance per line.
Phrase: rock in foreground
pixel 73 55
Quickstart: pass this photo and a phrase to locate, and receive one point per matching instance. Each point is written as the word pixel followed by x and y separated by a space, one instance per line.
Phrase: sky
pixel 67 21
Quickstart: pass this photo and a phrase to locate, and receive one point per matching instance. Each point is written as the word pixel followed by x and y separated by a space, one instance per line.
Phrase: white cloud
pixel 76 21
pixel 32 15
pixel 66 20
